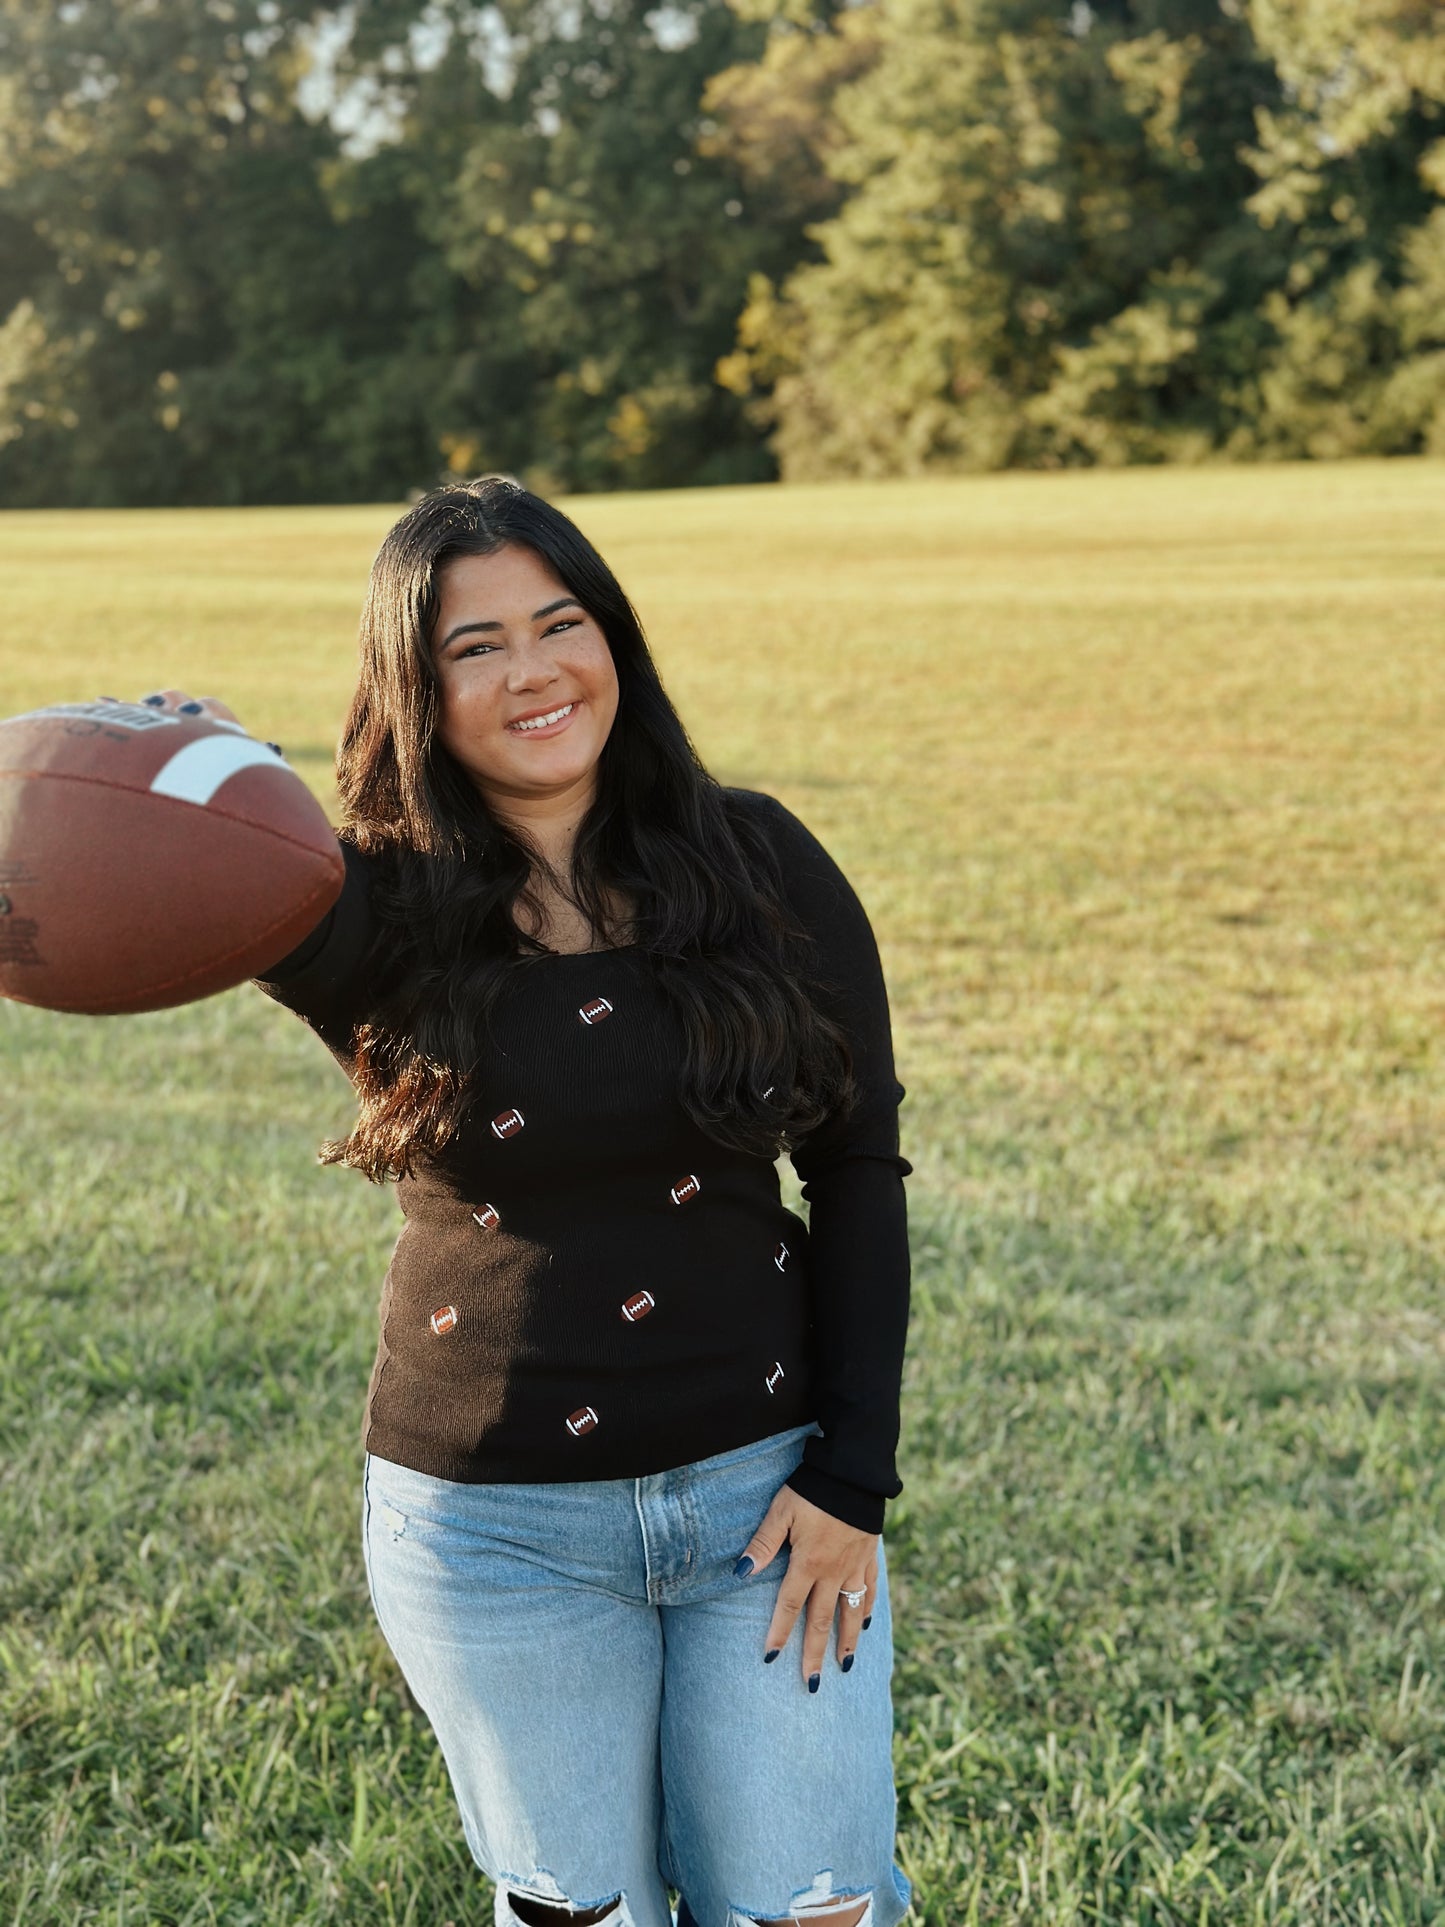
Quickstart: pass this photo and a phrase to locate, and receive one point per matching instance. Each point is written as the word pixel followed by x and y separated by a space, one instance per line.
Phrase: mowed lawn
pixel 1142 779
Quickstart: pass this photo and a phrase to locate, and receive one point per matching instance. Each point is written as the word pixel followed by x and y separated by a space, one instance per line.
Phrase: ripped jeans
pixel 593 1671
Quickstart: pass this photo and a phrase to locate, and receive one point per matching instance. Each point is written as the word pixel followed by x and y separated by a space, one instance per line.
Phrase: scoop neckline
pixel 612 950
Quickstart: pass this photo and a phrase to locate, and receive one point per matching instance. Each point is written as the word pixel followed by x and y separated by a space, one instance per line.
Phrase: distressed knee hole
pixel 836 1913
pixel 556 1913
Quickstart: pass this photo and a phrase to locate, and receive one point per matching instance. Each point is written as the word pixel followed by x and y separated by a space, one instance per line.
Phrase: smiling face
pixel 528 691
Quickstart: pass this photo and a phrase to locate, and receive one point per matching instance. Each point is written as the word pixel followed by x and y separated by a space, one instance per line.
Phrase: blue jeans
pixel 593 1671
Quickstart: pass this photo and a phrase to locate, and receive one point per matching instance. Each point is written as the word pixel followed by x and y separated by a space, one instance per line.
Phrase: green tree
pixel 188 316
pixel 1021 176
pixel 528 253
pixel 1132 230
pixel 1351 189
pixel 605 244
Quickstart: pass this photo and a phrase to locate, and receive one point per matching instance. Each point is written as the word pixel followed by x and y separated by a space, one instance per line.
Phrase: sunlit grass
pixel 1140 776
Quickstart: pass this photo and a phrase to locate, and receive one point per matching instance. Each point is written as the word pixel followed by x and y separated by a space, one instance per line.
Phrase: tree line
pixel 265 251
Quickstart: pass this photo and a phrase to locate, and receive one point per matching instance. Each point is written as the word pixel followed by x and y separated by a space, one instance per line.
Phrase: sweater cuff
pixel 850 1503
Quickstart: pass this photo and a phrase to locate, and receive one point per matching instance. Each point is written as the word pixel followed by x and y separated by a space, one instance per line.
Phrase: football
pixel 150 858
pixel 444 1320
pixel 685 1190
pixel 638 1306
pixel 594 1012
pixel 487 1216
pixel 508 1123
pixel 584 1419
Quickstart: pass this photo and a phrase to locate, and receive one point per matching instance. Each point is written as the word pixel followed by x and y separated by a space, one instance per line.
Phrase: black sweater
pixel 587 1286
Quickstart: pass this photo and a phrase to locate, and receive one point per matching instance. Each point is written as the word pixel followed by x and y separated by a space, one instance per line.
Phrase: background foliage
pixel 265 251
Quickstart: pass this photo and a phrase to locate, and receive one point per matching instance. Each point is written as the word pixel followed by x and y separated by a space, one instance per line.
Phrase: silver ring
pixel 856 1598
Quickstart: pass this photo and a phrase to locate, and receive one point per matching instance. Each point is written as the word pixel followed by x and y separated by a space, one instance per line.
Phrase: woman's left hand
pixel 826 1558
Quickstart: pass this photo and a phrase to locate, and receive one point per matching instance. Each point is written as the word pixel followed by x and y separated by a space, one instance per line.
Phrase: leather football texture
pixel 148 858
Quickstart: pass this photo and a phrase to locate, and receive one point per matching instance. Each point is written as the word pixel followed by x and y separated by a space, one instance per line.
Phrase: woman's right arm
pixel 323 977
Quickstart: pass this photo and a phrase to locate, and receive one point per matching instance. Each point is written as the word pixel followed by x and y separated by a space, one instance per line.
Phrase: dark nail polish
pixel 154 702
pixel 815 1680
pixel 191 709
pixel 848 1662
pixel 771 1654
pixel 867 1622
pixel 743 1567
pixel 276 749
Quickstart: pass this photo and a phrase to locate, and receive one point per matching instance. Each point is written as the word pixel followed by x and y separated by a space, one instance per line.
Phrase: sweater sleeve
pixel 858 1228
pixel 322 977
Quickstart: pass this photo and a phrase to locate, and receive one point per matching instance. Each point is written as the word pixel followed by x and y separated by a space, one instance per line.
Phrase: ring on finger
pixel 856 1598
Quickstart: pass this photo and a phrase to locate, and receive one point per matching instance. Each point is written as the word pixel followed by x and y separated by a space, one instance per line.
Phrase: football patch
pixel 685 1190
pixel 507 1123
pixel 583 1420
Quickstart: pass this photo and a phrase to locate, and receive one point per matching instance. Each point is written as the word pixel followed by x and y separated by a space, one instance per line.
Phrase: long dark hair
pixel 710 914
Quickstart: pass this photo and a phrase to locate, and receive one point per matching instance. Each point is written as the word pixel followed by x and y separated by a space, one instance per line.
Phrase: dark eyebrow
pixel 470 628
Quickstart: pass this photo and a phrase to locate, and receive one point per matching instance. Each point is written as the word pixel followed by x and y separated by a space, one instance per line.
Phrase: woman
pixel 631 1425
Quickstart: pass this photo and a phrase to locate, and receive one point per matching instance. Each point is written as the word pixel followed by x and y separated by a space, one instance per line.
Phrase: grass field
pixel 1142 778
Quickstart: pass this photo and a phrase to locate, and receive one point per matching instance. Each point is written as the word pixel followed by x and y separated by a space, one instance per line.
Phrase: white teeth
pixel 541 722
